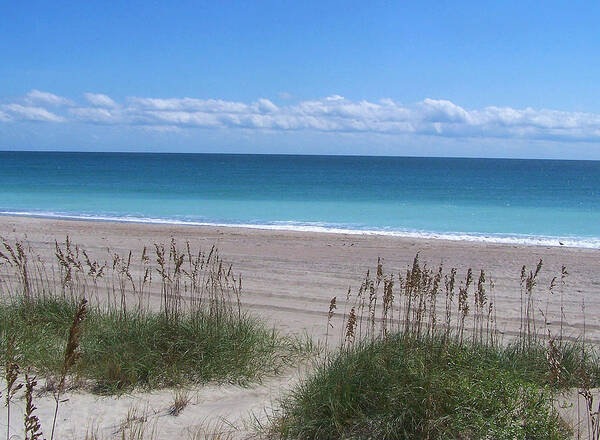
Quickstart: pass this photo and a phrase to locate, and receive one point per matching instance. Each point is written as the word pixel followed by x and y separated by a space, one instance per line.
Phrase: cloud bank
pixel 332 114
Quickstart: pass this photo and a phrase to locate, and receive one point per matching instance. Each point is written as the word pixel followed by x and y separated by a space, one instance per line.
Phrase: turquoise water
pixel 500 200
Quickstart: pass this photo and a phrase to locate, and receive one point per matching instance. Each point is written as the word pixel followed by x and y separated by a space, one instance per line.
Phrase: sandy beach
pixel 289 279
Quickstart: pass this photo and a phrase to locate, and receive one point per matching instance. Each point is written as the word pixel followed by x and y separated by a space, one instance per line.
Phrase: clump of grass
pixel 409 366
pixel 134 425
pixel 199 333
pixel 402 387
pixel 219 430
pixel 181 399
pixel 120 351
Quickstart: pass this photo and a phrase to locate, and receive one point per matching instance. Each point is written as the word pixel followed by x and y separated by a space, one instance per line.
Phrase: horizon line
pixel 291 154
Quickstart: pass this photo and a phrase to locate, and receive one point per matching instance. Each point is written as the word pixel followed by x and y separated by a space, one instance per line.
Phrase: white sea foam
pixel 518 239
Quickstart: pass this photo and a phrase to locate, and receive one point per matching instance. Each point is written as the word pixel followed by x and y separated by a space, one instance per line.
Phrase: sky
pixel 476 79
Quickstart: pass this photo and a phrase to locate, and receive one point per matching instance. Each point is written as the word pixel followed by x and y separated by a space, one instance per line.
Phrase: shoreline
pixel 468 237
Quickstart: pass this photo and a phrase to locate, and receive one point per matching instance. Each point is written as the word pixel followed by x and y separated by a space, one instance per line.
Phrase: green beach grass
pixel 120 351
pixel 199 333
pixel 421 358
pixel 408 388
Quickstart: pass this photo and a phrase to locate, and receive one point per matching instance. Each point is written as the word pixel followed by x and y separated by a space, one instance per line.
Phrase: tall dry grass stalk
pixel 11 374
pixel 592 406
pixel 18 260
pixel 33 429
pixel 70 357
pixel 330 313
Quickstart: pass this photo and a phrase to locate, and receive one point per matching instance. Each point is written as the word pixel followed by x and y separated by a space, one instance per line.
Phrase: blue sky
pixel 500 79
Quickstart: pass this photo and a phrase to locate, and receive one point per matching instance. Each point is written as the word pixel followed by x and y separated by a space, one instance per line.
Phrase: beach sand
pixel 289 278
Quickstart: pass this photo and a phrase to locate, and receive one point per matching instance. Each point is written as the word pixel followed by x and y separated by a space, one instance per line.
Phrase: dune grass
pixel 420 358
pixel 406 388
pixel 198 333
pixel 119 351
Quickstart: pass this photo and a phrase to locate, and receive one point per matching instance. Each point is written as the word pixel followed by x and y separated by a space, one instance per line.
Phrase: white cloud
pixel 28 113
pixel 100 100
pixel 440 110
pixel 198 119
pixel 38 97
pixel 190 105
pixel 334 114
pixel 96 115
pixel 265 106
pixel 164 128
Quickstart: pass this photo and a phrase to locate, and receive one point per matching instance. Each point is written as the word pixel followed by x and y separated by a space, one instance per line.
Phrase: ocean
pixel 535 202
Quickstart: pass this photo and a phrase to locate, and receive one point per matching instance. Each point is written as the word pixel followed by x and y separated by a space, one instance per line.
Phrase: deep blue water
pixel 524 201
